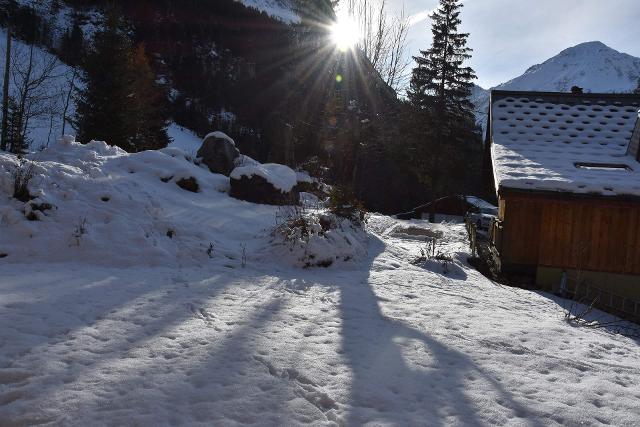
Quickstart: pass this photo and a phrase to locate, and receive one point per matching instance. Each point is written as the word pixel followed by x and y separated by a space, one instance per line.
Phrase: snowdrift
pixel 97 204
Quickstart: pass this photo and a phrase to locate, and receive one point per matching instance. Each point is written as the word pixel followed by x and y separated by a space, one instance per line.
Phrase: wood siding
pixel 585 234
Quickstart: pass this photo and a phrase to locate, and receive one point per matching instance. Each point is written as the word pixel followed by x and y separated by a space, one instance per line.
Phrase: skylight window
pixel 604 166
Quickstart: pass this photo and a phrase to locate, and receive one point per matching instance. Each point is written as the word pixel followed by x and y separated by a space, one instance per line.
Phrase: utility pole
pixel 5 93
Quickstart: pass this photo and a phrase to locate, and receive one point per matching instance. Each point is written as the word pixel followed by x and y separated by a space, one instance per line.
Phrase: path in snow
pixel 385 342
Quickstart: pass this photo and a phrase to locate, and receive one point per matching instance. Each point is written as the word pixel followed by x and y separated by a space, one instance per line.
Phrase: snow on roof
pixel 479 203
pixel 574 143
pixel 280 176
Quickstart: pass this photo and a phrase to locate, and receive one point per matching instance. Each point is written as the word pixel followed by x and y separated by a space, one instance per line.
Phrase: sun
pixel 345 33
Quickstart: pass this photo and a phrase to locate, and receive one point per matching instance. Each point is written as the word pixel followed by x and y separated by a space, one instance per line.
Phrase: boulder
pixel 219 153
pixel 269 184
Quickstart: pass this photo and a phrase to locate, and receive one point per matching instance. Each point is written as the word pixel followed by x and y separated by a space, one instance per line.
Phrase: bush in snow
pixel 22 174
pixel 343 203
pixel 317 239
pixel 431 253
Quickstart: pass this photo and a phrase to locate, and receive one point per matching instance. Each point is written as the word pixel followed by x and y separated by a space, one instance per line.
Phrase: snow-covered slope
pixel 593 66
pixel 45 129
pixel 280 9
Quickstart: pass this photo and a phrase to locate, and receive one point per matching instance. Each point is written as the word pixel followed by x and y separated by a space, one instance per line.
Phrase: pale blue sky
pixel 508 36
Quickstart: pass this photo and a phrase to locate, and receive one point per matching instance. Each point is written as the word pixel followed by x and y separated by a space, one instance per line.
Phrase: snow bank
pixel 184 139
pixel 280 176
pixel 113 208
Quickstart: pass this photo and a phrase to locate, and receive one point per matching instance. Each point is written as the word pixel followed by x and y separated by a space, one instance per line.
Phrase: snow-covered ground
pixel 126 325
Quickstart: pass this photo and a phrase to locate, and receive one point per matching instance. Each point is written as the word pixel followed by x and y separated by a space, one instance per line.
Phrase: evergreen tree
pixel 17 142
pixel 637 90
pixel 149 103
pixel 443 123
pixel 120 102
pixel 72 45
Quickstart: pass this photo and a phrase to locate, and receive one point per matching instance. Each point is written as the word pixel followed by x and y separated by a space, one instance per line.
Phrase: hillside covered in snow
pixel 280 9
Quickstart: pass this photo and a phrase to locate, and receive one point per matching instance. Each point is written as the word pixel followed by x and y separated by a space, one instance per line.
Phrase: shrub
pixel 344 203
pixel 22 175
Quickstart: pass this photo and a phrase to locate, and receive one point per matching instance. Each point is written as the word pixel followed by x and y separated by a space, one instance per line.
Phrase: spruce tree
pixel 150 119
pixel 104 109
pixel 440 89
pixel 72 44
pixel 120 102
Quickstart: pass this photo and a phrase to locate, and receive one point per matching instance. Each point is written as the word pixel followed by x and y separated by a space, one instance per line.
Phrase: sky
pixel 508 36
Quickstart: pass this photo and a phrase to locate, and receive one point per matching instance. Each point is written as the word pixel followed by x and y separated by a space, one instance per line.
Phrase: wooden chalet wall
pixel 591 234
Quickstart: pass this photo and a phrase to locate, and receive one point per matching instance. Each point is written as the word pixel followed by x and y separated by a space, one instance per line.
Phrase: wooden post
pixel 5 93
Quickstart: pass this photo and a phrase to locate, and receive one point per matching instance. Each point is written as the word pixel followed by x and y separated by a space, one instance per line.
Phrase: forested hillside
pixel 278 86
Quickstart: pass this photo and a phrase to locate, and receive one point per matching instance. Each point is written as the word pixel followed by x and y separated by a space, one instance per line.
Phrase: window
pixel 603 166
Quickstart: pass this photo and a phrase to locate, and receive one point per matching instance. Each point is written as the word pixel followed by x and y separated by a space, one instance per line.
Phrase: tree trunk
pixel 5 93
pixel 67 101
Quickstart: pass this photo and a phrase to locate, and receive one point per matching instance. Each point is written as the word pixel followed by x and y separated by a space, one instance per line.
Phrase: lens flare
pixel 345 33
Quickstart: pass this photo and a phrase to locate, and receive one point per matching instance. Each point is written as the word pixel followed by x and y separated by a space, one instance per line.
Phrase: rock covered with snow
pixel 219 153
pixel 269 183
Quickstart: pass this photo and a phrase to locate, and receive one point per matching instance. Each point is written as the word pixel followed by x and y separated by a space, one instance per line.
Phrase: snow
pixel 62 19
pixel 592 66
pixel 539 141
pixel 303 176
pixel 184 139
pixel 129 209
pixel 479 203
pixel 220 135
pixel 280 176
pixel 279 9
pixel 46 129
pixel 384 342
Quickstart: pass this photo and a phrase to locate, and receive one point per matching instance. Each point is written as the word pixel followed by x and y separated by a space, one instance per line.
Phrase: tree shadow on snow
pixel 429 390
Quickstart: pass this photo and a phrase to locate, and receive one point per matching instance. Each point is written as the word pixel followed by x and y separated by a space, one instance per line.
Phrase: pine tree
pixel 120 102
pixel 104 109
pixel 637 90
pixel 72 45
pixel 439 92
pixel 17 142
pixel 150 119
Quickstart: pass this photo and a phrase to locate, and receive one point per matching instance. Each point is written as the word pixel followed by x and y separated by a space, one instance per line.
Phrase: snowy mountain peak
pixel 593 66
pixel 596 46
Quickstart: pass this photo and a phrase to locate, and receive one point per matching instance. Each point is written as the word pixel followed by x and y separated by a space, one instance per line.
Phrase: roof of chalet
pixel 564 142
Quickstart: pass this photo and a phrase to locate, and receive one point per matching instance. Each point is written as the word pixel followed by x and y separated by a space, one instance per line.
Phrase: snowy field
pixel 125 325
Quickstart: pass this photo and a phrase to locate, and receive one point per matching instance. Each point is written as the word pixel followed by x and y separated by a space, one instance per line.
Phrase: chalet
pixel 565 169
